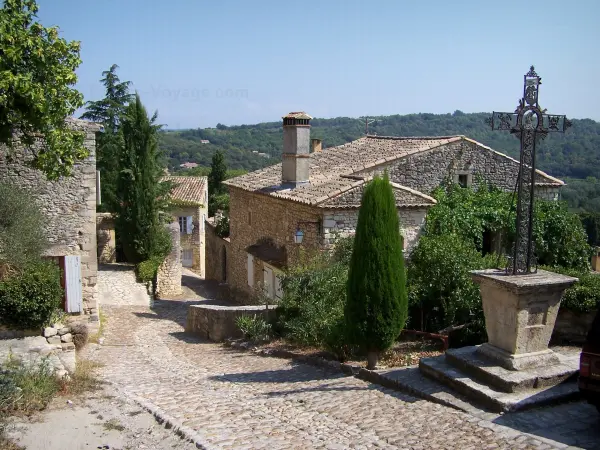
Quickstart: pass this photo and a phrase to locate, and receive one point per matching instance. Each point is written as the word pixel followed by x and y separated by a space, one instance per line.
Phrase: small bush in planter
pixel 255 328
pixel 28 299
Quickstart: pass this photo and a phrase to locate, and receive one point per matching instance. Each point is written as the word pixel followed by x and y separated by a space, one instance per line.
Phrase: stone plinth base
pixel 466 372
pixel 217 323
pixel 520 312
pixel 521 361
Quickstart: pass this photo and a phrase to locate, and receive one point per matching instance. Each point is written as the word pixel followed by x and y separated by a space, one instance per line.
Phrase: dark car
pixel 589 365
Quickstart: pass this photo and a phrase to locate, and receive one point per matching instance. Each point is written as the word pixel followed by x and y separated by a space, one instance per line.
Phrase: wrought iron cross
pixel 530 124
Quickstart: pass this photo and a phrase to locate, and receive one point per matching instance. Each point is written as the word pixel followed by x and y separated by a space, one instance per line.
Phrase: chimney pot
pixel 295 167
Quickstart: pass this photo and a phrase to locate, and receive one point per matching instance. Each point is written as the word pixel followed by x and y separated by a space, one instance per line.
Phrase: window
pixel 182 224
pixel 186 224
pixel 463 180
pixel 250 270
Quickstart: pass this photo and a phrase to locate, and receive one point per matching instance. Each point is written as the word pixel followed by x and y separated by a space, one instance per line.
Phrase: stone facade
pixel 105 237
pixel 69 205
pixel 219 250
pixel 168 277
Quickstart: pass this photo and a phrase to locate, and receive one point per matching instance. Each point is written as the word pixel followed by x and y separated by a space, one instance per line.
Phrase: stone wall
pixel 424 171
pixel 168 278
pixel 196 240
pixel 217 253
pixel 572 327
pixel 343 223
pixel 217 323
pixel 69 206
pixel 105 237
pixel 257 217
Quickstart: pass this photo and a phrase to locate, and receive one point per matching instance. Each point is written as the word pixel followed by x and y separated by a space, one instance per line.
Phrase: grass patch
pixel 113 424
pixel 102 319
pixel 83 380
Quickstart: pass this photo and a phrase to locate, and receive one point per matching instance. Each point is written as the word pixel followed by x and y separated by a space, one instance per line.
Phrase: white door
pixel 187 257
pixel 73 289
pixel 268 282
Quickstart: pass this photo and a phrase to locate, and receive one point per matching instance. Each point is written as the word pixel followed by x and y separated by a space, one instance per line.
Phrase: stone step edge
pixel 479 397
pixel 481 376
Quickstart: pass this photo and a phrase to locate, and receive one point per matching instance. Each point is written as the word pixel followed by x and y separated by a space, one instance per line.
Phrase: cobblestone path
pixel 117 286
pixel 238 400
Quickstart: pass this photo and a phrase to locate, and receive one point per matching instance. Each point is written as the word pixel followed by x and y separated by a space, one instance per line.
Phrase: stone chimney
pixel 317 145
pixel 295 167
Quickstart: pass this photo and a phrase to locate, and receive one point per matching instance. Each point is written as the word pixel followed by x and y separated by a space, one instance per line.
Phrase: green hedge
pixel 583 296
pixel 146 270
pixel 28 299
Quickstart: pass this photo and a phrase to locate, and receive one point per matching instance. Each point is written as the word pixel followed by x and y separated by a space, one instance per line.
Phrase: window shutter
pixel 189 224
pixel 268 281
pixel 250 270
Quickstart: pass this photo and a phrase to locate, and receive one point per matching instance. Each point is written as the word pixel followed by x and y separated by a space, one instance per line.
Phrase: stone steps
pixel 441 370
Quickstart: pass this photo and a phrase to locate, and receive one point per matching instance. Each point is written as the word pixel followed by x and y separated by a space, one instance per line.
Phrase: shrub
pixel 146 270
pixel 583 296
pixel 26 389
pixel 255 328
pixel 313 301
pixel 222 227
pixel 22 236
pixel 80 332
pixel 28 299
pixel 441 293
pixel 376 307
pixel 342 251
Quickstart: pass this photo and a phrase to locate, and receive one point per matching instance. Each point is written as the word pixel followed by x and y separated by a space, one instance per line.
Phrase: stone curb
pixel 169 422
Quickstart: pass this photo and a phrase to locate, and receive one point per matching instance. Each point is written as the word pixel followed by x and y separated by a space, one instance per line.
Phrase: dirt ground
pixel 98 420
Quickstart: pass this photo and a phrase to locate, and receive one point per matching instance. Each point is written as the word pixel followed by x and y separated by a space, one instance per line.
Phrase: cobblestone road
pixel 238 400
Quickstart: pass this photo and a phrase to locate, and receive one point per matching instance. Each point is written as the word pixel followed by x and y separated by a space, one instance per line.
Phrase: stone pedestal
pixel 520 312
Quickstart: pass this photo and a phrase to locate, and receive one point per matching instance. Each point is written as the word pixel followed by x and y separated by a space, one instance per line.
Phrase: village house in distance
pixel 189 203
pixel 311 198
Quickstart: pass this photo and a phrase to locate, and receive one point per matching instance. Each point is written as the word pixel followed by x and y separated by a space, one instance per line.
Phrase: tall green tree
pixel 218 198
pixel 109 112
pixel 37 75
pixel 141 195
pixel 376 307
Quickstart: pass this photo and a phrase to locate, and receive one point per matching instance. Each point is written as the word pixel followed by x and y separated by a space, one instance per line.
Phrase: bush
pixel 147 270
pixel 313 301
pixel 583 296
pixel 255 328
pixel 376 307
pixel 342 252
pixel 22 236
pixel 28 299
pixel 222 227
pixel 80 332
pixel 441 293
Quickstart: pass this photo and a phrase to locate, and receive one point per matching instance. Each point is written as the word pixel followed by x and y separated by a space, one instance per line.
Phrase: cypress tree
pixel 218 173
pixel 377 303
pixel 141 195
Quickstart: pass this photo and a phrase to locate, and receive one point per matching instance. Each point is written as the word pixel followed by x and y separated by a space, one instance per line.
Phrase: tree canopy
pixel 37 75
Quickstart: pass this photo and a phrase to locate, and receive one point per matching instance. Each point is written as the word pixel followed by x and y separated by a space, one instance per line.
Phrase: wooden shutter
pixel 250 270
pixel 189 223
pixel 73 289
pixel 278 288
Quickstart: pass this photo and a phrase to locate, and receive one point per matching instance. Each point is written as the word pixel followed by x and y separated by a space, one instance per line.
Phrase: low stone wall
pixel 168 278
pixel 572 327
pixel 217 323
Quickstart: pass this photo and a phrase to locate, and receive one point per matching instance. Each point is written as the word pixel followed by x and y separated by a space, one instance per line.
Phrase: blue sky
pixel 202 62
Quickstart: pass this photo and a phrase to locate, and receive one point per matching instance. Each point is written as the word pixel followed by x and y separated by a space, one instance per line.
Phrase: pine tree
pixel 109 112
pixel 376 308
pixel 140 194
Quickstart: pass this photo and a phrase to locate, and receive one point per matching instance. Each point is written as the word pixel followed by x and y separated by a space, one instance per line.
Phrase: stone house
pixel 189 205
pixel 69 205
pixel 311 198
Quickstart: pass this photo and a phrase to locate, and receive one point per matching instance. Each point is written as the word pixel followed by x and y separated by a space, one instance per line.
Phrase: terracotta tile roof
pixel 329 168
pixel 332 169
pixel 190 190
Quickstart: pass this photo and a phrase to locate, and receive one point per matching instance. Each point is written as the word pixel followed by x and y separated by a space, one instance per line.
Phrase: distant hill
pixel 574 155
